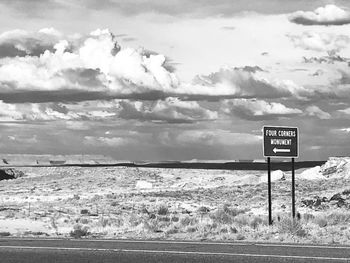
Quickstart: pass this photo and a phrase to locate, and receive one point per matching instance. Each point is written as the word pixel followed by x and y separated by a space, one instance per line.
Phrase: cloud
pixel 320 41
pixel 346 130
pixel 106 141
pixel 251 109
pixel 345 111
pixel 217 137
pixel 173 8
pixel 23 139
pixel 317 112
pixel 53 112
pixel 242 83
pixel 95 67
pixel 36 8
pixel 22 43
pixel 327 15
pixel 332 58
pixel 171 110
pixel 9 112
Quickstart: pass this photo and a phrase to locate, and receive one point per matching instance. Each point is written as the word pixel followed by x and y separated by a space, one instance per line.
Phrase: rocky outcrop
pixel 341 200
pixel 9 173
pixel 335 167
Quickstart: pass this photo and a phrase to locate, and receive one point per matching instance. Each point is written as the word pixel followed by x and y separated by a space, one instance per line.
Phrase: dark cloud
pixel 34 49
pixel 309 22
pixel 59 108
pixel 330 59
pixel 345 78
pixel 83 76
pixel 40 96
pixel 251 69
pixel 10 50
pixel 20 43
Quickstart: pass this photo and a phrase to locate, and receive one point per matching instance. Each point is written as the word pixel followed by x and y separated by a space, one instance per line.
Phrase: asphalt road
pixel 84 251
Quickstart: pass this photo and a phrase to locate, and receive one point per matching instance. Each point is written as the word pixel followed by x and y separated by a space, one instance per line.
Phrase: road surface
pixel 108 251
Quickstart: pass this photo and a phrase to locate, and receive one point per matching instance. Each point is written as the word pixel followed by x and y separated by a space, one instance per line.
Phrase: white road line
pixel 214 243
pixel 178 252
pixel 166 242
pixel 187 242
pixel 301 246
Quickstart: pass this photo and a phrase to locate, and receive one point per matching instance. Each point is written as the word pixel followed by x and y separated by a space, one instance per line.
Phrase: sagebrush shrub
pixel 255 222
pixel 321 221
pixel 79 231
pixel 162 210
pixel 291 226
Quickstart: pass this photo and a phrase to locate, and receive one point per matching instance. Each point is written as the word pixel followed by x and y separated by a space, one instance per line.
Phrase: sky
pixel 173 80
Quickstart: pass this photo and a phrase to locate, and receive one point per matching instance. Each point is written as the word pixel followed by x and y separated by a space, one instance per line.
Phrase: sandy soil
pixel 169 203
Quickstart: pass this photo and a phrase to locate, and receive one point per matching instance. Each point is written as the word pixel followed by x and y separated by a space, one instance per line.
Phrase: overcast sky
pixel 173 80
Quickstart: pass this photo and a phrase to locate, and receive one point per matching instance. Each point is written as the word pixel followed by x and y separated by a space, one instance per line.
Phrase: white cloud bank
pixel 317 112
pixel 327 15
pixel 93 67
pixel 252 109
pixel 320 41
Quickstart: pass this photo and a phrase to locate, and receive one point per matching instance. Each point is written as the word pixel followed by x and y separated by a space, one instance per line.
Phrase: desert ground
pixel 187 204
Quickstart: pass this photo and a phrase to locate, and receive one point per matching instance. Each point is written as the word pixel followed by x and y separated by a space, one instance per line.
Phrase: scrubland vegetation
pixel 174 204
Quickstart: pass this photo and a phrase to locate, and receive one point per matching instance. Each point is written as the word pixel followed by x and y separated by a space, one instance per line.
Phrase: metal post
pixel 269 188
pixel 293 189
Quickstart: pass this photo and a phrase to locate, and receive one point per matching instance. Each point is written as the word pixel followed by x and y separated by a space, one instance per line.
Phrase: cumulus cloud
pixel 231 82
pixel 95 67
pixel 251 109
pixel 320 41
pixel 317 112
pixel 171 110
pixel 327 15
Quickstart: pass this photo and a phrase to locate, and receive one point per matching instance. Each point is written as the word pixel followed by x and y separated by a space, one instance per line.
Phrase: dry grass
pixel 109 207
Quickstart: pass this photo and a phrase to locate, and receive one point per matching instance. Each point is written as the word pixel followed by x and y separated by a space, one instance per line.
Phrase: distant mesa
pixel 48 159
pixel 57 162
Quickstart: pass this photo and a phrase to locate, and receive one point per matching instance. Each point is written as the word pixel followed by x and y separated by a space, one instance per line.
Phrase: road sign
pixel 280 141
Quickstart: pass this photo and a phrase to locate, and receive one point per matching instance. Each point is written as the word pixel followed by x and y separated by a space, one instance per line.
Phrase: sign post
pixel 281 142
pixel 269 188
